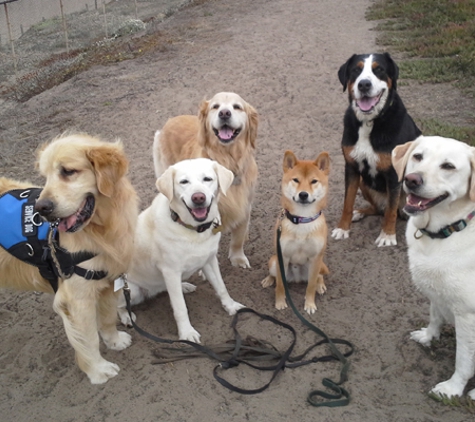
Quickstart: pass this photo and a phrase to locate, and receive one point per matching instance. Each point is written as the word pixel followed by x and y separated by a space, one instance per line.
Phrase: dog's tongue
pixel 225 133
pixel 367 103
pixel 199 213
pixel 66 223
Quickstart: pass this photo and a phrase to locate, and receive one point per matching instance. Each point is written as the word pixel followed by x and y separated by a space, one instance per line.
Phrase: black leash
pixel 341 396
pixel 250 349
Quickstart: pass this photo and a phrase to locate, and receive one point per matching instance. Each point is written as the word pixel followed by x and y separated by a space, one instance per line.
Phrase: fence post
pixel 65 28
pixel 11 40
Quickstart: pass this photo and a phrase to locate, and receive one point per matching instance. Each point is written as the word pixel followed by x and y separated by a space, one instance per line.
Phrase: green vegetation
pixel 437 38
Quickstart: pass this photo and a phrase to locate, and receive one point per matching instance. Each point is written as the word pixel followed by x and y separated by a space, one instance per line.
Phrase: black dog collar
pixel 200 229
pixel 447 231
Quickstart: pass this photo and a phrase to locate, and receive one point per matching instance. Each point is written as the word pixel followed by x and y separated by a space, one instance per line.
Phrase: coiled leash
pixel 245 351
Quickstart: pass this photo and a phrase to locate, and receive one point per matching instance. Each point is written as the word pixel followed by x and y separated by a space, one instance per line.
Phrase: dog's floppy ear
pixel 252 122
pixel 164 183
pixel 202 117
pixel 392 70
pixel 400 155
pixel 289 160
pixel 323 162
pixel 110 165
pixel 225 177
pixel 344 72
pixel 472 177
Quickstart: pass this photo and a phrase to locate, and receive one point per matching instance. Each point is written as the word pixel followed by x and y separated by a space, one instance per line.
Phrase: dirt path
pixel 282 56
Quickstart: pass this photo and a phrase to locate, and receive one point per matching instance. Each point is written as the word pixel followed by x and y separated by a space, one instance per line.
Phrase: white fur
pixel 166 252
pixel 444 269
pixel 364 151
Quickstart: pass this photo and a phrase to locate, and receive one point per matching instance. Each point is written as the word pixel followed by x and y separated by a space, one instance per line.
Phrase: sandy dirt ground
pixel 282 56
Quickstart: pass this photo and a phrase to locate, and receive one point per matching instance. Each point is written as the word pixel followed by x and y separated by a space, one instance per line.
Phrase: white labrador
pixel 439 178
pixel 179 235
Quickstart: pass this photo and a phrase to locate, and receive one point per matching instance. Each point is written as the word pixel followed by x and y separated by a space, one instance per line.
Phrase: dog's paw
pixel 190 335
pixel 357 216
pixel 280 304
pixel 232 307
pixel 448 388
pixel 339 234
pixel 102 372
pixel 119 342
pixel 321 289
pixel 239 260
pixel 423 336
pixel 268 281
pixel 188 287
pixel 310 307
pixel 125 317
pixel 386 239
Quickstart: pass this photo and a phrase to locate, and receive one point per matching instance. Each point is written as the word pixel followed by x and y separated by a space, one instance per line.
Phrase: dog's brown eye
pixel 296 180
pixel 417 157
pixel 314 181
pixel 237 107
pixel 67 172
pixel 207 179
pixel 447 166
pixel 215 106
pixel 183 182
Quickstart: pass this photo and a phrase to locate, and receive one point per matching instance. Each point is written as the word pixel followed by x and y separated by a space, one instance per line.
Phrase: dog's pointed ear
pixel 225 177
pixel 344 72
pixel 252 122
pixel 164 183
pixel 400 155
pixel 323 162
pixel 472 177
pixel 289 160
pixel 110 165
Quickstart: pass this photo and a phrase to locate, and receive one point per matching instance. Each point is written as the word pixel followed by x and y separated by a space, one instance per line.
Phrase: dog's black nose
pixel 364 86
pixel 198 198
pixel 303 196
pixel 44 206
pixel 224 114
pixel 413 180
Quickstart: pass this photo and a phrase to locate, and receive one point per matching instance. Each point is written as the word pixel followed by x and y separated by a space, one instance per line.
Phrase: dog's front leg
pixel 213 275
pixel 387 237
pixel 464 359
pixel 352 183
pixel 425 335
pixel 177 300
pixel 315 284
pixel 280 302
pixel 76 302
pixel 239 234
pixel 107 307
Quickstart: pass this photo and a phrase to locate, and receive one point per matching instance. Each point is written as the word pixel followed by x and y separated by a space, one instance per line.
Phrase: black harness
pixel 28 237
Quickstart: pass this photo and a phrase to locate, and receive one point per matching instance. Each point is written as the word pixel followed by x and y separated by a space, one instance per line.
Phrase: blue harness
pixel 30 238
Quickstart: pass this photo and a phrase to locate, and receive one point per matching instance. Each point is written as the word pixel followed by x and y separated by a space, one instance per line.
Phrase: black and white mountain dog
pixel 375 122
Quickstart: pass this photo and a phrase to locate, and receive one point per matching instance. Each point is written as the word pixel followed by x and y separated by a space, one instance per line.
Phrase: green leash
pixel 341 397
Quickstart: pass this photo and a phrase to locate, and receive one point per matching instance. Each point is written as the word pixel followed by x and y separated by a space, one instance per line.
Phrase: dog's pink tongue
pixel 367 103
pixel 417 201
pixel 66 223
pixel 225 133
pixel 199 213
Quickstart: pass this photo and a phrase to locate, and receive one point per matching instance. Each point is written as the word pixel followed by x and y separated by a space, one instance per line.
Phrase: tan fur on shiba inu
pixel 303 242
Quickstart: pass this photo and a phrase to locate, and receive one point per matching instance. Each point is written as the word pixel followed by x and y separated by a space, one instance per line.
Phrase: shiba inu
pixel 303 228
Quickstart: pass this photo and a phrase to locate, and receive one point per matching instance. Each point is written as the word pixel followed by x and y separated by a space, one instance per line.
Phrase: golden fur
pixel 304 195
pixel 74 167
pixel 185 137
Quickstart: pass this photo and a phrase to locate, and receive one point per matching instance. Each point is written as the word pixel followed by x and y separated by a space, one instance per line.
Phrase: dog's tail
pixel 157 162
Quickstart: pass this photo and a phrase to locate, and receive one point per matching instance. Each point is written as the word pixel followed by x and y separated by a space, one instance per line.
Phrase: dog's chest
pixel 363 152
pixel 301 249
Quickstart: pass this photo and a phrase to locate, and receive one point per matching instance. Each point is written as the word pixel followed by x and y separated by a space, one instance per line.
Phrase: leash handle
pixel 335 386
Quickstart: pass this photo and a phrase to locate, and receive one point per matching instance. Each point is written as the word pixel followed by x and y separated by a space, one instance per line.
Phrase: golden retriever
pixel 89 197
pixel 225 130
